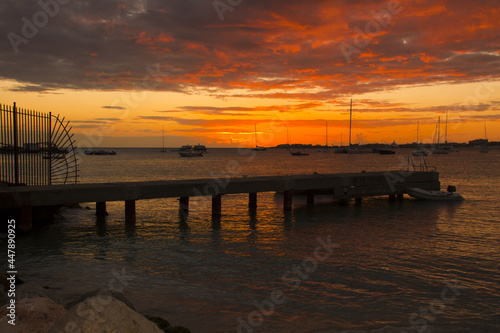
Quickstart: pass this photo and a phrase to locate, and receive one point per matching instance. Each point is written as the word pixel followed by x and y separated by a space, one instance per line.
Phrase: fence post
pixel 16 148
pixel 50 148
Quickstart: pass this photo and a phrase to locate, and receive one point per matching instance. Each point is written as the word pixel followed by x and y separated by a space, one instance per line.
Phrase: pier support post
pixel 184 205
pixel 343 202
pixel 252 200
pixel 216 205
pixel 392 197
pixel 400 197
pixel 287 200
pixel 310 197
pixel 129 211
pixel 100 209
pixel 25 219
pixel 359 201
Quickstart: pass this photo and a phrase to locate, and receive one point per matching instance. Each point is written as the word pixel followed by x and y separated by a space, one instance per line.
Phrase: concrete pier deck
pixel 343 187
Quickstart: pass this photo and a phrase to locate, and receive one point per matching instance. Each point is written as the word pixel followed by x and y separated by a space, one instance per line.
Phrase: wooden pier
pixel 342 187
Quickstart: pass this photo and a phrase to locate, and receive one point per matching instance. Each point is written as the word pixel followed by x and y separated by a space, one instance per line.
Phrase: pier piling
pixel 184 205
pixel 310 197
pixel 252 200
pixel 100 209
pixel 287 200
pixel 130 211
pixel 25 219
pixel 216 205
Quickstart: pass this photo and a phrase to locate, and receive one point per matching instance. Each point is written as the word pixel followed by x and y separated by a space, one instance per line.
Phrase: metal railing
pixel 36 148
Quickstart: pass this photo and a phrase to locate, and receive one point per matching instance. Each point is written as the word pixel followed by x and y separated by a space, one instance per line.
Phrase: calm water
pixel 392 259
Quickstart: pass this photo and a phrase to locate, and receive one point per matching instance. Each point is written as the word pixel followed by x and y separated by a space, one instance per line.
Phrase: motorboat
pixel 190 153
pixel 450 194
pixel 420 152
pixel 192 148
pixel 99 152
pixel 298 153
pixel 384 151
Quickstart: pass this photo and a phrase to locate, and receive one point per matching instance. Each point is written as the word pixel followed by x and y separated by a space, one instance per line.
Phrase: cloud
pixel 113 107
pixel 263 48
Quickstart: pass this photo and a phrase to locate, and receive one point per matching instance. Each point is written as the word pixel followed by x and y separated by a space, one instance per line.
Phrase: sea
pixel 382 266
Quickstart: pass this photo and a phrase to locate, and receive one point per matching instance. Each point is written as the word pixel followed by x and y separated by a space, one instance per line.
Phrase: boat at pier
pixel 450 194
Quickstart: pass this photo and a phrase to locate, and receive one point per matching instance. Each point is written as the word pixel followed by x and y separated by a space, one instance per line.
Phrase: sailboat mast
pixel 439 128
pixel 418 127
pixel 350 124
pixel 326 133
pixel 485 136
pixel 446 129
pixel 255 134
pixel 162 138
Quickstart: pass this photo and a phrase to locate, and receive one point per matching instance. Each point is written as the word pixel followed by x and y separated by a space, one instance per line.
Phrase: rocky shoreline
pixel 40 310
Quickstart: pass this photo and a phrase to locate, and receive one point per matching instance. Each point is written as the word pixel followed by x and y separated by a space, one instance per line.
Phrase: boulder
pixel 100 314
pixel 3 298
pixel 30 290
pixel 103 293
pixel 33 315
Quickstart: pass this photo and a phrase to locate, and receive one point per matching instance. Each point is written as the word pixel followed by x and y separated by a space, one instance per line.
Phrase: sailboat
pixel 257 148
pixel 438 150
pixel 326 150
pixel 484 148
pixel 447 146
pixel 351 149
pixel 419 152
pixel 163 150
pixel 341 149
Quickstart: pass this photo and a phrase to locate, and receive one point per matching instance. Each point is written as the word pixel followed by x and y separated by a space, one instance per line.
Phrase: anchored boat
pixel 435 195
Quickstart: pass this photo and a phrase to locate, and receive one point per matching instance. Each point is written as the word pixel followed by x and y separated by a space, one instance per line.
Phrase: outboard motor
pixel 451 189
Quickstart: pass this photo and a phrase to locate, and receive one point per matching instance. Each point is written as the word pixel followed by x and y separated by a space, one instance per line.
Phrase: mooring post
pixel 287 200
pixel 216 205
pixel 401 196
pixel 392 197
pixel 100 209
pixel 25 219
pixel 183 205
pixel 252 200
pixel 359 201
pixel 129 211
pixel 310 197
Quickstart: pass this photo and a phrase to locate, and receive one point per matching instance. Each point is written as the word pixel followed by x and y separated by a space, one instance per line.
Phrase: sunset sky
pixel 210 71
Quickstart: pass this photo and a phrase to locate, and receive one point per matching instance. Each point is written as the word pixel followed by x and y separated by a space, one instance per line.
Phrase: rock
pixel 159 321
pixel 103 315
pixel 177 329
pixel 33 315
pixel 7 328
pixel 102 293
pixel 6 283
pixel 30 290
pixel 3 298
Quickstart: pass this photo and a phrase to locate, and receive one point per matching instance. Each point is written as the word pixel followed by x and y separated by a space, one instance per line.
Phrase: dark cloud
pixel 113 107
pixel 277 50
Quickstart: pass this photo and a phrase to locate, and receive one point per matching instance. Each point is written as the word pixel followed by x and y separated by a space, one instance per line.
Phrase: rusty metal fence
pixel 36 148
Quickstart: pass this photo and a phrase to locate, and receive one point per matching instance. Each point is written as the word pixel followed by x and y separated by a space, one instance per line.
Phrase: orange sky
pixel 208 71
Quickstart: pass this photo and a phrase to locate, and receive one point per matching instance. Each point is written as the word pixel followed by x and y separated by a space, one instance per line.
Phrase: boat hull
pixel 190 154
pixel 433 195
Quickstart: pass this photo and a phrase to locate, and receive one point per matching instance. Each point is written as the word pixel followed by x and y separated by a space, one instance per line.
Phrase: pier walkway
pixel 341 187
